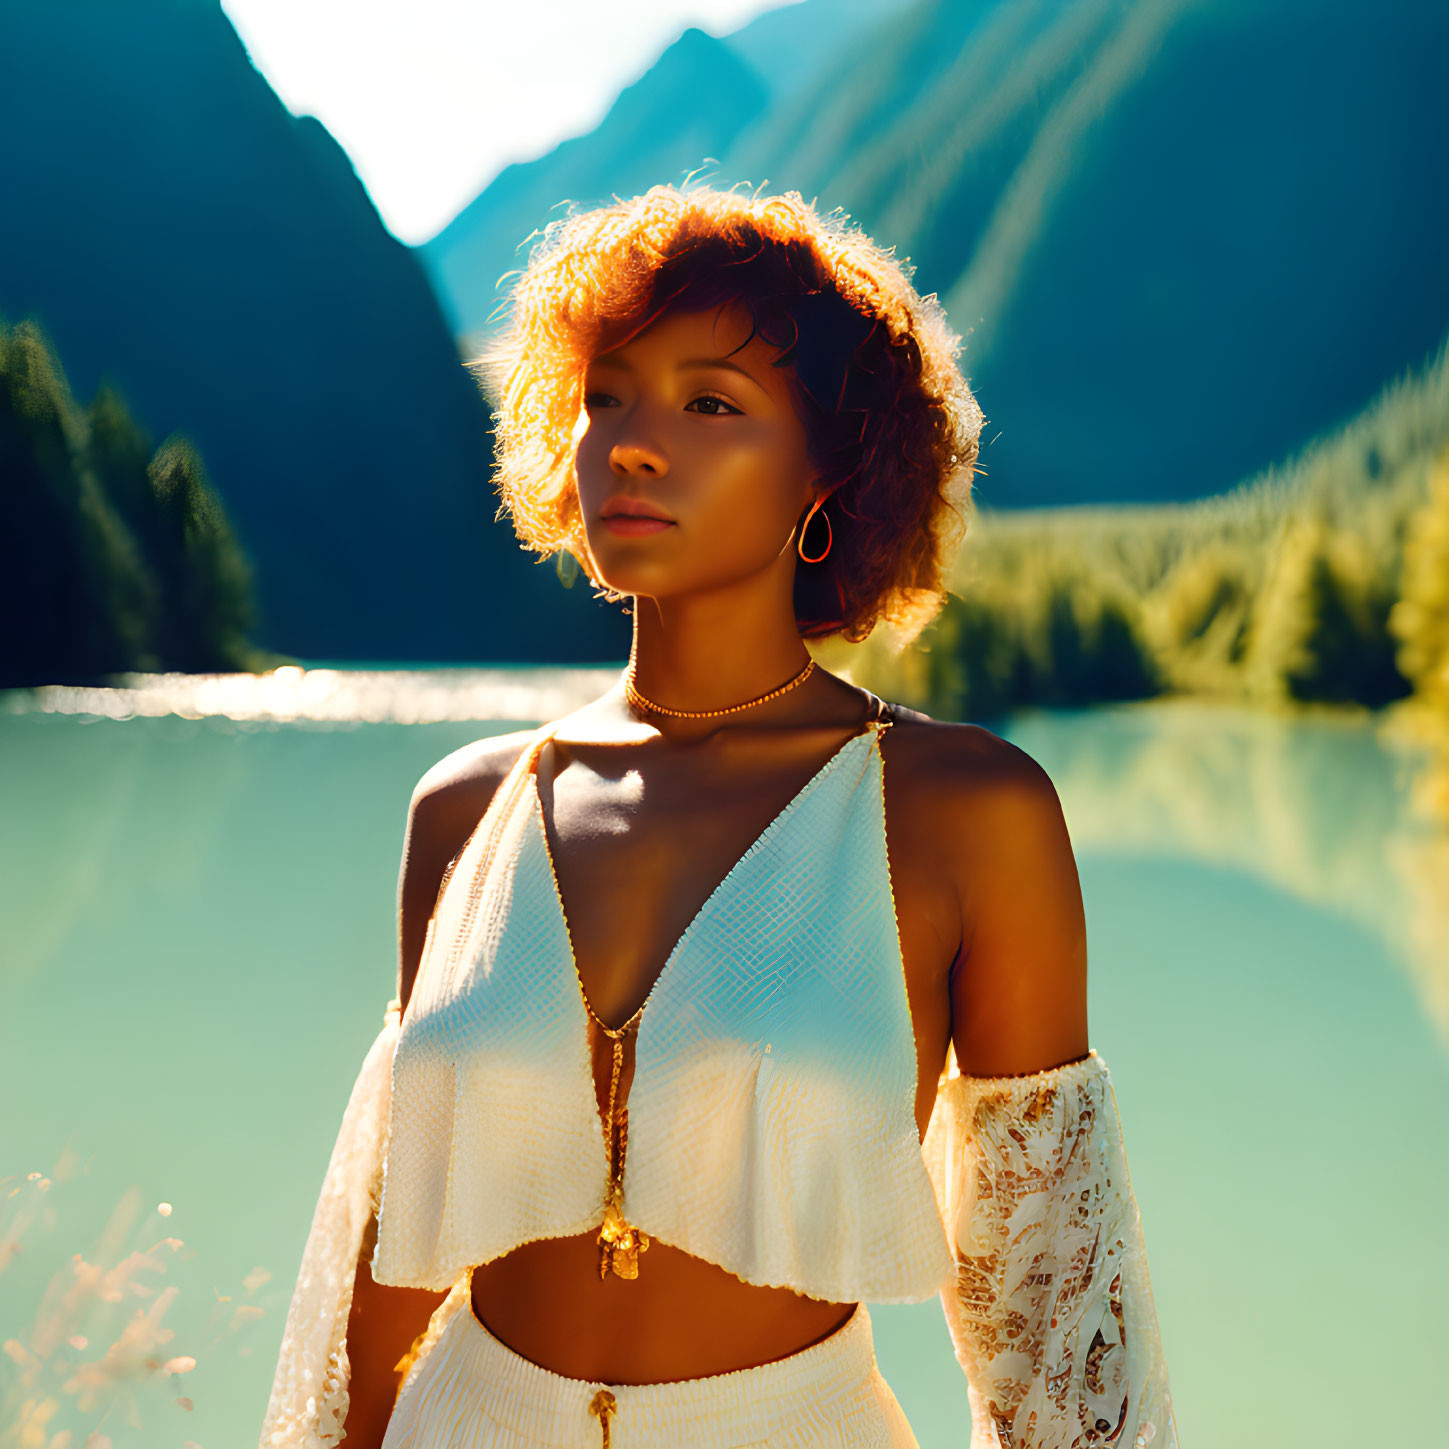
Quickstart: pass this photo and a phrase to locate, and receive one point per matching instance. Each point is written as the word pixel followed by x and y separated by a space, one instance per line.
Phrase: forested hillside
pixel 174 229
pixel 115 554
pixel 1322 579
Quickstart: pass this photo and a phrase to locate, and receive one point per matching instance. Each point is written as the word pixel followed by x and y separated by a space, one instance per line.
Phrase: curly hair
pixel 890 423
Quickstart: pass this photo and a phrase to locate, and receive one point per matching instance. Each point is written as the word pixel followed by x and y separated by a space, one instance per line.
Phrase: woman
pixel 667 1093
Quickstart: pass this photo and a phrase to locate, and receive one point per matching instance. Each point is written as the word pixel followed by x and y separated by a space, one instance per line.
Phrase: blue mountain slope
pixel 1226 240
pixel 688 107
pixel 789 46
pixel 1182 237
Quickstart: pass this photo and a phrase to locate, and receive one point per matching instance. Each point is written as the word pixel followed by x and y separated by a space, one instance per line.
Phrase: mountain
pixel 1180 238
pixel 789 47
pixel 181 235
pixel 690 105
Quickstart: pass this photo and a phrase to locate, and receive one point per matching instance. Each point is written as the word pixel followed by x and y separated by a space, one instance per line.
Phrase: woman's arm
pixel 1051 1311
pixel 1019 984
pixel 382 1327
pixel 385 1322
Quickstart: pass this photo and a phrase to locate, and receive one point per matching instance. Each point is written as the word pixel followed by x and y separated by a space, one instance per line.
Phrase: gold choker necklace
pixel 640 702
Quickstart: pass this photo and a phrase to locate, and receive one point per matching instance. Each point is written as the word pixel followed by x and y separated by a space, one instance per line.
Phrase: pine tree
pixel 204 576
pixel 1420 619
pixel 118 451
pixel 111 559
pixel 75 593
pixel 1082 642
pixel 1320 630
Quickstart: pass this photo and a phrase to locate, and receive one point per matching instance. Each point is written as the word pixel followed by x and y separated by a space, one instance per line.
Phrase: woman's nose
pixel 638 457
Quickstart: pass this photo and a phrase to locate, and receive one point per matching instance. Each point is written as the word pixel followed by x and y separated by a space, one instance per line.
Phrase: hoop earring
pixel 829 532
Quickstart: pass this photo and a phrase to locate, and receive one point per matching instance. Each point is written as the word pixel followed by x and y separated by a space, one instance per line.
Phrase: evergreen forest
pixel 115 552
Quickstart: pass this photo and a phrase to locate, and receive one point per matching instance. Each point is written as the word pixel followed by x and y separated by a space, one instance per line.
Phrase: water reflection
pixel 1325 807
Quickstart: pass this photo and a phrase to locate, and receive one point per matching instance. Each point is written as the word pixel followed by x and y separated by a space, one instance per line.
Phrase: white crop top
pixel 771 1118
pixel 770 1128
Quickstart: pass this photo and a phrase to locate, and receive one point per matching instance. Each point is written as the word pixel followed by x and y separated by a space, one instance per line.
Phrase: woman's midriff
pixel 681 1317
pixel 684 1318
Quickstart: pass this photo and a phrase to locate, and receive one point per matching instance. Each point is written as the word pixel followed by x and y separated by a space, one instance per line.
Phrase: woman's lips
pixel 633 525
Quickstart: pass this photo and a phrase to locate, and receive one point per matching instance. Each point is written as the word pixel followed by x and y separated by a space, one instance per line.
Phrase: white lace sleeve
pixel 309 1391
pixel 1051 1311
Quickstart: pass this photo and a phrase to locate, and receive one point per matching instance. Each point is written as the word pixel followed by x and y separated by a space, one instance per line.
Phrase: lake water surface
pixel 198 944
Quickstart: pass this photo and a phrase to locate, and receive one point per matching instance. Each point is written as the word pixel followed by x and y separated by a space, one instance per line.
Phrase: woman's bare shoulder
pixel 973 802
pixel 446 806
pixel 945 764
pixel 473 771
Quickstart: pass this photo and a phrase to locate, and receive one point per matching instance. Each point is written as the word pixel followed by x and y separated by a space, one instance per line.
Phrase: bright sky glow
pixel 432 98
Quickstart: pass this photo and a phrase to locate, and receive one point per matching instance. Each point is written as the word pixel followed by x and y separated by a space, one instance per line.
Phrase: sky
pixel 432 98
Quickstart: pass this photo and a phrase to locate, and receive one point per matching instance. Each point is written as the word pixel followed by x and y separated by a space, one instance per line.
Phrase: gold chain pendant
pixel 620 1242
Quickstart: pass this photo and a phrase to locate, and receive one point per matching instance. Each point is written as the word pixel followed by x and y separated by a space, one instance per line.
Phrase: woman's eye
pixel 709 405
pixel 713 407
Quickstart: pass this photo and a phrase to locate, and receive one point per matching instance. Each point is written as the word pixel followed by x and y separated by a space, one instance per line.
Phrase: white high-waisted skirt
pixel 467 1390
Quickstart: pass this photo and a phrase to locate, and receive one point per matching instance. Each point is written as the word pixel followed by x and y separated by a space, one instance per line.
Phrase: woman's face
pixel 691 457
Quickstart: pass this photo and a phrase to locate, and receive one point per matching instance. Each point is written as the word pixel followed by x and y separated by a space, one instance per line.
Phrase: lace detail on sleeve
pixel 309 1391
pixel 1051 1310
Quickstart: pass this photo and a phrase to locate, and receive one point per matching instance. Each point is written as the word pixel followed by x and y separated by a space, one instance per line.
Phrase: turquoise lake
pixel 199 941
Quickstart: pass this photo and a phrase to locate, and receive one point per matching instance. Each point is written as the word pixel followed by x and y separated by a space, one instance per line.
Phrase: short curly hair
pixel 890 422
